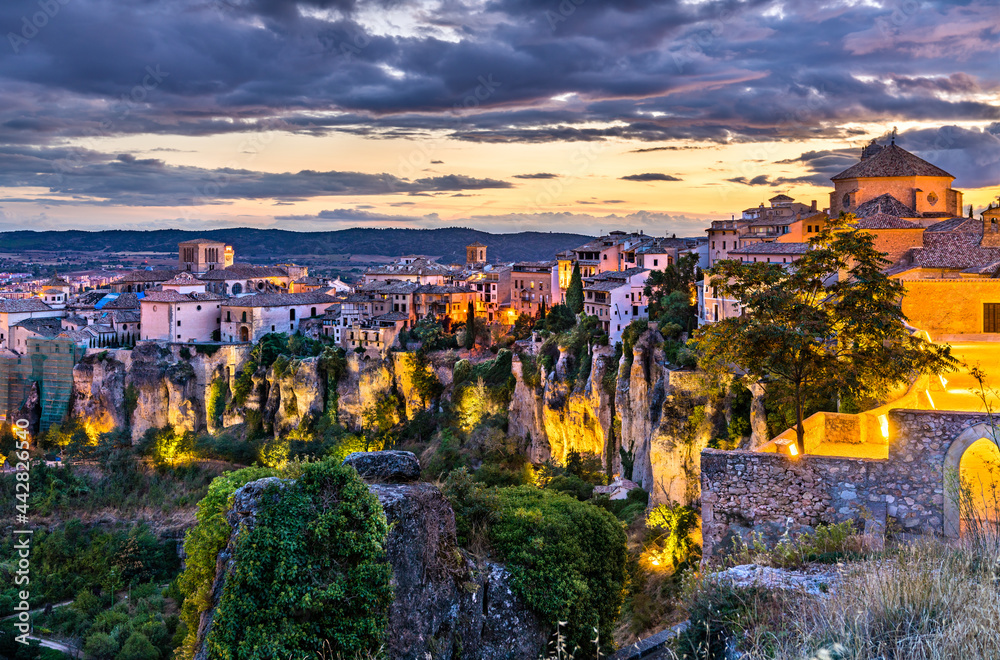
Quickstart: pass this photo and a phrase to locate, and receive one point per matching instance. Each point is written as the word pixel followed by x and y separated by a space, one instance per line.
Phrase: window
pixel 932 199
pixel 847 199
pixel 229 316
pixel 605 257
pixel 178 323
pixel 291 314
pixel 723 245
pixel 244 317
pixel 312 311
pixel 991 317
pixel 656 262
pixel 199 308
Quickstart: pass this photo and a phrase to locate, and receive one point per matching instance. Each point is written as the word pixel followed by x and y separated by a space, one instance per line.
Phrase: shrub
pixel 312 570
pixel 138 647
pixel 566 558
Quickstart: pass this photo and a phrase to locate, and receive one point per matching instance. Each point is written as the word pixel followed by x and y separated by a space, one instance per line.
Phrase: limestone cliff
pixel 660 417
pixel 150 386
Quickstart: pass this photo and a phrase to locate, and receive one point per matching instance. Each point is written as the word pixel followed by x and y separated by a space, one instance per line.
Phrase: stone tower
pixel 475 254
pixel 991 227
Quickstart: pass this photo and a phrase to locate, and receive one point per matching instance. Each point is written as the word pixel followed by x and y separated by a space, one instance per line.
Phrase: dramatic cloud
pixel 125 179
pixel 540 175
pixel 650 176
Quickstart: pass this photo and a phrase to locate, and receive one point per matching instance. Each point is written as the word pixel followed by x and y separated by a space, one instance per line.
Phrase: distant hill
pixel 449 244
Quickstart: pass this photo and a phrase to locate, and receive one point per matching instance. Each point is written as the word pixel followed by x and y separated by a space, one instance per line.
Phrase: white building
pixel 13 312
pixel 248 318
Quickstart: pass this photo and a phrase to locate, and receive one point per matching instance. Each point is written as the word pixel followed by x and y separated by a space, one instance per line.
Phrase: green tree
pixel 470 326
pixel 559 319
pixel 670 293
pixel 574 294
pixel 522 326
pixel 138 647
pixel 801 330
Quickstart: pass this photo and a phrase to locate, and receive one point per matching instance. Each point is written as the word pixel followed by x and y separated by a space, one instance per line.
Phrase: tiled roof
pixel 415 267
pixel 44 327
pixel 533 264
pixel 954 245
pixel 887 204
pixel 280 299
pixel 617 274
pixel 123 301
pixel 173 296
pixel 605 285
pixel 441 288
pixel 202 241
pixel 126 316
pixel 393 316
pixel 891 160
pixel 161 275
pixel 55 281
pixel 23 305
pixel 884 221
pixel 244 271
pixel 476 244
pixel 773 248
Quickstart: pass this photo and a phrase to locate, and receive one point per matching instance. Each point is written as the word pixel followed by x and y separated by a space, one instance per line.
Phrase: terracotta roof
pixel 781 198
pixel 55 280
pixel 616 274
pixel 441 288
pixel 476 244
pixel 23 305
pixel 968 225
pixel 280 299
pixel 604 285
pixel 887 204
pixel 201 241
pixel 884 221
pixel 891 160
pixel 773 248
pixel 533 264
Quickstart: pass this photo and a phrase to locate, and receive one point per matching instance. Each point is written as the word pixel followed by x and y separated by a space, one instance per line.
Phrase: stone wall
pixel 767 493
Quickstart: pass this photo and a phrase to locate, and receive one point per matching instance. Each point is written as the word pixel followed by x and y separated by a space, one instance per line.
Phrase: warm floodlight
pixel 930 400
pixel 884 423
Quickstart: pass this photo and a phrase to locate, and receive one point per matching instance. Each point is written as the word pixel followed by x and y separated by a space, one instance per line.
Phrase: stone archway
pixel 244 334
pixel 952 473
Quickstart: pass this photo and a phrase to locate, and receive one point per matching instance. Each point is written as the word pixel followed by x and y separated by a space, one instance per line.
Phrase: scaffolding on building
pixel 48 364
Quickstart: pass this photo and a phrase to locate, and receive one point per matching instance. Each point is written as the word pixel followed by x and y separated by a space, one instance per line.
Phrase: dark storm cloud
pixel 650 176
pixel 497 71
pixel 125 179
pixel 971 155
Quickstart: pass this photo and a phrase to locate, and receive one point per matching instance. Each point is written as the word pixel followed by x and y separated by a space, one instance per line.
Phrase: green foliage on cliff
pixel 313 569
pixel 202 545
pixel 567 558
pixel 426 383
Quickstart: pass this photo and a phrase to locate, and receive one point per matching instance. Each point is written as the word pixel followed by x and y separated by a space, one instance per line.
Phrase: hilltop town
pixel 578 378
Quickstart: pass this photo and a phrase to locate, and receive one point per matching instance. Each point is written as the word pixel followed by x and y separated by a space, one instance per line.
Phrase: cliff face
pixel 150 386
pixel 661 418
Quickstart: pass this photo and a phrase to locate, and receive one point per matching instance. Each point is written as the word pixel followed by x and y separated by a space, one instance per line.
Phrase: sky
pixel 503 115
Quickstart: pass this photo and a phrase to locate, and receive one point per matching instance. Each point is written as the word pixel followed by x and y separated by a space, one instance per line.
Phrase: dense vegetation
pixel 311 572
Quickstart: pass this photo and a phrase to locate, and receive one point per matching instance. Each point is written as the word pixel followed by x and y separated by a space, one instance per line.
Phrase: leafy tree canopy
pixel 834 320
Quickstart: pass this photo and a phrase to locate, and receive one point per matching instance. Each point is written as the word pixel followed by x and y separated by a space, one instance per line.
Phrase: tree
pixel 804 332
pixel 470 326
pixel 574 294
pixel 522 326
pixel 559 319
pixel 671 291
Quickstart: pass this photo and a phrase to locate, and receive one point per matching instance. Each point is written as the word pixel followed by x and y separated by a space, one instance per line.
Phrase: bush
pixel 138 647
pixel 566 558
pixel 312 570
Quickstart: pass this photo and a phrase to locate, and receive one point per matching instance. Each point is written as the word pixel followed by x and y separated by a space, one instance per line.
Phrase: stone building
pixel 616 299
pixel 534 287
pixel 201 255
pixel 248 318
pixel 13 312
pixel 890 169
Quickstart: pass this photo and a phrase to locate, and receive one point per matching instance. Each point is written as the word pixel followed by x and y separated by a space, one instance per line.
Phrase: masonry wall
pixel 895 242
pixel 766 493
pixel 949 307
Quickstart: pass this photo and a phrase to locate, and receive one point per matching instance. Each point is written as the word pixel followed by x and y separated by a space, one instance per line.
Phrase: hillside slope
pixel 449 243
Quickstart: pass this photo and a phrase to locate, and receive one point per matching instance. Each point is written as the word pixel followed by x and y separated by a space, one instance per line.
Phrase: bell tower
pixel 475 254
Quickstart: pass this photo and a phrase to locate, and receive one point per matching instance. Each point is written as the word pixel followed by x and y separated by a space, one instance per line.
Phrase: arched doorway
pixel 244 334
pixel 972 482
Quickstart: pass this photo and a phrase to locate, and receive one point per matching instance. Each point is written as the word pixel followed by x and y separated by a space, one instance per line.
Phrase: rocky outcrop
pixel 661 418
pixel 295 393
pixel 385 466
pixel 447 605
pixel 150 386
